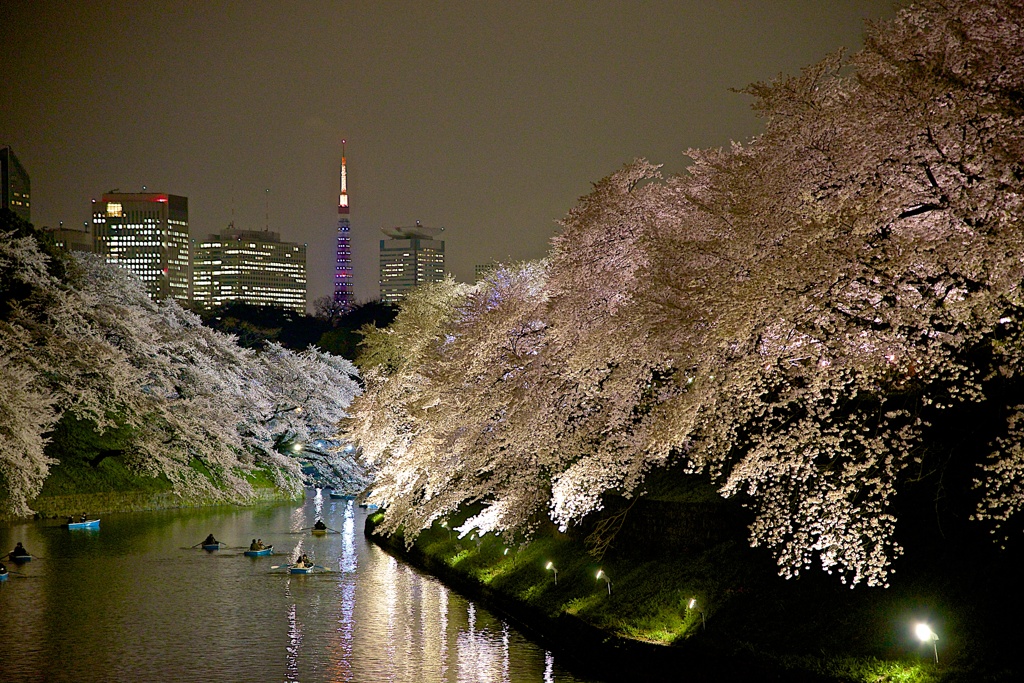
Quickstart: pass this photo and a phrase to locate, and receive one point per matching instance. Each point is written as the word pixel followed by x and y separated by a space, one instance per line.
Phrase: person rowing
pixel 319 525
pixel 254 545
pixel 19 551
pixel 210 540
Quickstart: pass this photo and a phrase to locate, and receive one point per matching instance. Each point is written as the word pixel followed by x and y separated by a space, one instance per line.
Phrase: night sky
pixel 489 118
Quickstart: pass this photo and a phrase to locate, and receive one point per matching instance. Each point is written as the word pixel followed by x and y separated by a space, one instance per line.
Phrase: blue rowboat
pixel 341 496
pixel 19 558
pixel 3 577
pixel 258 553
pixel 211 546
pixel 296 569
pixel 88 524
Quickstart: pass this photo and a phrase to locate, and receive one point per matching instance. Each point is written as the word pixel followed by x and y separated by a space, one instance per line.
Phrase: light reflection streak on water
pixel 294 638
pixel 318 504
pixel 549 668
pixel 298 519
pixel 347 562
pixel 481 655
pixel 504 652
pixel 345 628
pixel 442 600
pixel 390 604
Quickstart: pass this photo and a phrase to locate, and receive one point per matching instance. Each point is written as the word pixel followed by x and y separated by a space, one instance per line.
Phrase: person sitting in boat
pixel 3 569
pixel 259 544
pixel 19 551
pixel 71 520
pixel 319 525
pixel 304 561
pixel 210 540
pixel 85 517
pixel 254 545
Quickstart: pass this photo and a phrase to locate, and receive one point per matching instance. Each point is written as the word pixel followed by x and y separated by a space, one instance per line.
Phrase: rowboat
pixel 258 553
pixel 19 558
pixel 3 576
pixel 341 496
pixel 297 569
pixel 211 546
pixel 319 532
pixel 88 524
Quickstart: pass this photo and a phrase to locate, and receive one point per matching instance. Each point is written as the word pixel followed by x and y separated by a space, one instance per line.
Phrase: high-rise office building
pixel 250 266
pixel 343 252
pixel 16 190
pixel 411 257
pixel 147 233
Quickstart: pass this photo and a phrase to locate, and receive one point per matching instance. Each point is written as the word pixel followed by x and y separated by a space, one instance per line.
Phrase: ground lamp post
pixel 693 605
pixel 925 633
pixel 551 566
pixel 602 575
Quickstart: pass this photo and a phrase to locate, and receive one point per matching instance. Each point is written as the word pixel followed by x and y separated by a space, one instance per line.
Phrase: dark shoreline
pixel 58 507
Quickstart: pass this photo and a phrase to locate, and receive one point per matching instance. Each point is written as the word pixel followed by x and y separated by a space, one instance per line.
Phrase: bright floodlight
pixel 925 633
pixel 693 605
pixel 551 566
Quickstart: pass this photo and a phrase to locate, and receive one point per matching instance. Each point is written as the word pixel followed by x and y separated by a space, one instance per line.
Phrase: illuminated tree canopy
pixel 791 317
pixel 88 342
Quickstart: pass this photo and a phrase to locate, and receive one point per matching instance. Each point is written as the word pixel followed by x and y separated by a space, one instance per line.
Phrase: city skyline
pixel 488 119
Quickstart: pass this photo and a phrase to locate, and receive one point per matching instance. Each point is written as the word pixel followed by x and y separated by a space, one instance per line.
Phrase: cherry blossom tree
pixel 92 345
pixel 793 316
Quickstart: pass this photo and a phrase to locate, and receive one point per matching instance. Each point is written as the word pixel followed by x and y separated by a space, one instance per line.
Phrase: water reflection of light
pixel 343 658
pixel 504 652
pixel 347 562
pixel 298 519
pixel 442 601
pixel 549 668
pixel 390 605
pixel 481 655
pixel 318 504
pixel 294 641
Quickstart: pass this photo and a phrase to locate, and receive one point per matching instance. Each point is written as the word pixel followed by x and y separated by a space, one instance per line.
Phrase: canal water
pixel 134 602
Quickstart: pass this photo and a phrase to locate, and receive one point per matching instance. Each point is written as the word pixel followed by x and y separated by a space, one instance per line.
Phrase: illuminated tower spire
pixel 343 255
pixel 343 196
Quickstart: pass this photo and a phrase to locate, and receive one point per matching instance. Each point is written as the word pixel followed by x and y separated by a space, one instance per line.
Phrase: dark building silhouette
pixel 16 191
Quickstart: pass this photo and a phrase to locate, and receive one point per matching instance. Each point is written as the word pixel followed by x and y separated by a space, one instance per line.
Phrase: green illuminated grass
pixel 738 595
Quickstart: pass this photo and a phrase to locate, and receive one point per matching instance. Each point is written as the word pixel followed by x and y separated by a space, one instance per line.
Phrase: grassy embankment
pixel 91 475
pixel 744 619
